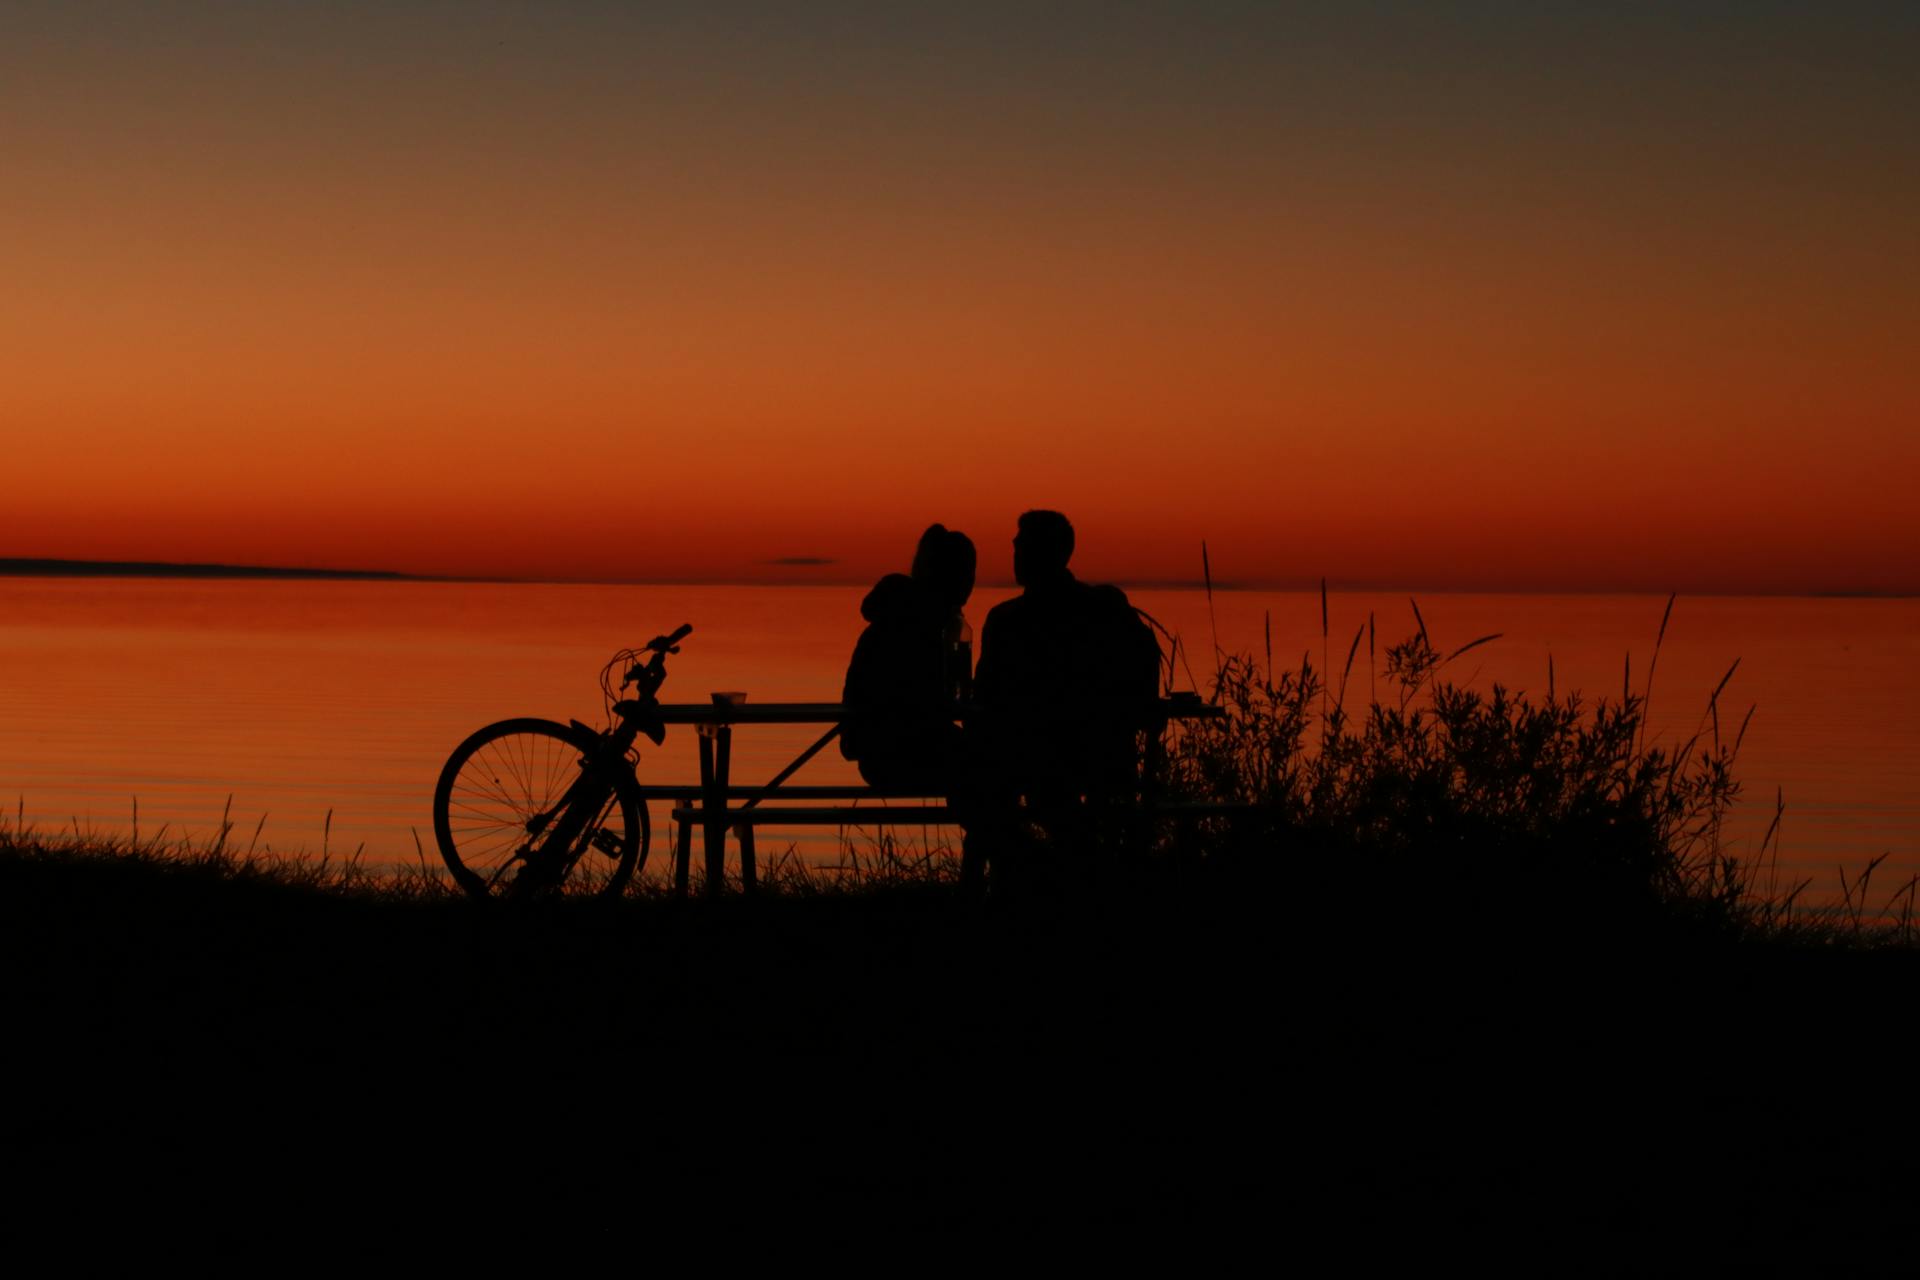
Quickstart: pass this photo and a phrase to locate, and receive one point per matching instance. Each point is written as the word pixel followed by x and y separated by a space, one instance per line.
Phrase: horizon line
pixel 49 567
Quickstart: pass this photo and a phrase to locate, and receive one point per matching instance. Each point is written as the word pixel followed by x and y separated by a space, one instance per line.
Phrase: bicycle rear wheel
pixel 504 786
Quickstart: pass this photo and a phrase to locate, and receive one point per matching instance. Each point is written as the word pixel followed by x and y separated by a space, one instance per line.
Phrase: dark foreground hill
pixel 1213 1061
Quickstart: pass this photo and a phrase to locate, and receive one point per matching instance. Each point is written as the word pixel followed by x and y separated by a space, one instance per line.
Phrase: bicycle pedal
pixel 608 843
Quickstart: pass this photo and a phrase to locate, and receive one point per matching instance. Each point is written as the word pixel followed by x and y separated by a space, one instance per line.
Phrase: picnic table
pixel 719 806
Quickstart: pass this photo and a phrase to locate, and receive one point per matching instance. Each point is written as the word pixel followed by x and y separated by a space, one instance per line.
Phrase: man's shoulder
pixel 1010 610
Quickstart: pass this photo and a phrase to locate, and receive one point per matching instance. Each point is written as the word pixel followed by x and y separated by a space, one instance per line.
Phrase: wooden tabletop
pixel 752 713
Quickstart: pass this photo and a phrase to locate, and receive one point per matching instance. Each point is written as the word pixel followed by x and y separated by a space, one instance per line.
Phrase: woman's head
pixel 944 563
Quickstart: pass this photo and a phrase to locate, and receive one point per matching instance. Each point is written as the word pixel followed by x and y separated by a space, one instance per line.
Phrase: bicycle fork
pixel 545 859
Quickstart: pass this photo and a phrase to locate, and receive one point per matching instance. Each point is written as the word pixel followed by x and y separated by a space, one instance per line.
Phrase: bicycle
pixel 520 803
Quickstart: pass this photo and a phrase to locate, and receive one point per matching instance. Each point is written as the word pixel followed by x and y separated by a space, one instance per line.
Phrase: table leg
pixel 707 797
pixel 682 856
pixel 716 758
pixel 748 876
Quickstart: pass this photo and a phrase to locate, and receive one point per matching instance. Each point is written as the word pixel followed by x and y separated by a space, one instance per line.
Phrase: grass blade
pixel 1326 658
pixel 1346 671
pixel 1471 644
pixel 1373 694
pixel 1206 576
pixel 1646 699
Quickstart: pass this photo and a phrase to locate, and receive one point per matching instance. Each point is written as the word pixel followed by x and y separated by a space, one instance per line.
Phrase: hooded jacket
pixel 896 688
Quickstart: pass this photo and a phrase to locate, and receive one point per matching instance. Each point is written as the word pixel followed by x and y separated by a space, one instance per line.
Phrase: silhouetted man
pixel 1067 676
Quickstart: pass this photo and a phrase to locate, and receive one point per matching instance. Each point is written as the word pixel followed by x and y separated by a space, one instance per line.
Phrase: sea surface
pixel 321 711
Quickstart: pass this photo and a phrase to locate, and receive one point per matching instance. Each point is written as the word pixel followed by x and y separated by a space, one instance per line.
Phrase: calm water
pixel 298 698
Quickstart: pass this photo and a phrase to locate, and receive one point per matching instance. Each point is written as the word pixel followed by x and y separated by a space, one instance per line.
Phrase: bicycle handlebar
pixel 664 644
pixel 652 672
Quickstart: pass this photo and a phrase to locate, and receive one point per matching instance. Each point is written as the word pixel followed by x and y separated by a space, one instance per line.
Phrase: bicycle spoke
pixel 488 837
pixel 484 780
pixel 473 785
pixel 504 765
pixel 476 811
pixel 516 763
pixel 488 846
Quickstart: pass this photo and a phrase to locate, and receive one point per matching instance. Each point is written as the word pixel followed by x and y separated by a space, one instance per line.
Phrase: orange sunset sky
pixel 1505 296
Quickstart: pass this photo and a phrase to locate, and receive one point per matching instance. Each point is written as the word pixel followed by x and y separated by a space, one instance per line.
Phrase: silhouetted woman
pixel 908 668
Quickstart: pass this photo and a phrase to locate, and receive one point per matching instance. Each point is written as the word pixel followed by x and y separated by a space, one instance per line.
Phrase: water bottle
pixel 960 659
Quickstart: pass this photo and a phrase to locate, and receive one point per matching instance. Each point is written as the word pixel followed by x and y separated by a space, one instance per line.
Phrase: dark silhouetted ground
pixel 1211 1061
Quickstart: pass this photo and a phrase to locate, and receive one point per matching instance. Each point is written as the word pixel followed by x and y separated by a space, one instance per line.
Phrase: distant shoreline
pixel 24 568
pixel 43 568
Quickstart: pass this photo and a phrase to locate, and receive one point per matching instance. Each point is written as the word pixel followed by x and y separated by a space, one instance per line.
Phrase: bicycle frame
pixel 586 801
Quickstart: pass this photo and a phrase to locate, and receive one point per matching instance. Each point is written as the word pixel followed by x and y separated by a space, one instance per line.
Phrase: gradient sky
pixel 1517 295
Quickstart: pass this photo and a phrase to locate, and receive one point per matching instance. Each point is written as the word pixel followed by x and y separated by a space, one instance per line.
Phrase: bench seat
pixel 823 816
pixel 826 815
pixel 854 791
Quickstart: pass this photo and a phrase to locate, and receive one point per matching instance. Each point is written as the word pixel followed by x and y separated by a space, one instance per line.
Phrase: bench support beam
pixel 716 759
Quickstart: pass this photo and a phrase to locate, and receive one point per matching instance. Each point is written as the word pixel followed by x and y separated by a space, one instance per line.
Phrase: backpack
pixel 1128 653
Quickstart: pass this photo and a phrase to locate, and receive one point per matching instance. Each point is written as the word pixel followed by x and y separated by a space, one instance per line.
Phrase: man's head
pixel 1042 548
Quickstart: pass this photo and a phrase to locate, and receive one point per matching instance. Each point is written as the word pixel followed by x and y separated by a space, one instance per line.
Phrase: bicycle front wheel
pixel 504 786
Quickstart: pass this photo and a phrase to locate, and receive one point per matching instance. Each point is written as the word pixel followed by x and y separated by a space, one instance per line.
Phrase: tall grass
pixel 218 856
pixel 868 858
pixel 1444 795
